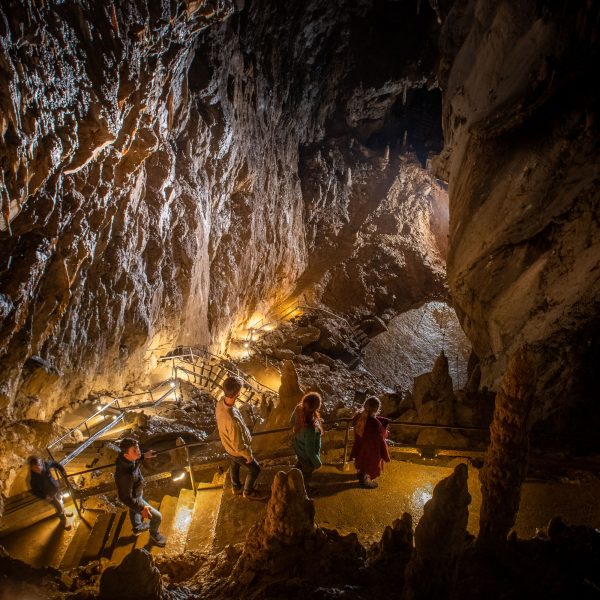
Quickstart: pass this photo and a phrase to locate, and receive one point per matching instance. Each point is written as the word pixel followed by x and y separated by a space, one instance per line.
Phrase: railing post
pixel 69 486
pixel 189 462
pixel 345 465
pixel 72 494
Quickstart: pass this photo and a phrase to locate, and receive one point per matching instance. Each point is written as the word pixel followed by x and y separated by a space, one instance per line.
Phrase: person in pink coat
pixel 369 450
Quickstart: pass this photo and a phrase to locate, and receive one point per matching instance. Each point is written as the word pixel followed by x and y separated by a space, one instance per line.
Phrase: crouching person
pixel 130 487
pixel 46 487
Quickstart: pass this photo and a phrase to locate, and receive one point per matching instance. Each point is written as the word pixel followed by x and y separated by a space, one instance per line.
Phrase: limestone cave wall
pixel 169 167
pixel 522 153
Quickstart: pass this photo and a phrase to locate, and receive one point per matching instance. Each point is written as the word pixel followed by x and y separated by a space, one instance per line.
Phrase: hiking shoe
pixel 237 491
pixel 66 526
pixel 68 513
pixel 139 530
pixel 368 483
pixel 254 495
pixel 158 539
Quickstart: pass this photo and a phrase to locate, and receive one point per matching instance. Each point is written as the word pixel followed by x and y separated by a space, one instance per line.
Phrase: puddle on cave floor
pixel 405 487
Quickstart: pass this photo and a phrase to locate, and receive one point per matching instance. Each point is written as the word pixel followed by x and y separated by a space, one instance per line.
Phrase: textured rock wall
pixel 153 185
pixel 103 235
pixel 521 129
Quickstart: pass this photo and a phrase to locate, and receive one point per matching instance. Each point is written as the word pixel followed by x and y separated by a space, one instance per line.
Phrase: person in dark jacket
pixel 308 430
pixel 46 487
pixel 369 450
pixel 130 487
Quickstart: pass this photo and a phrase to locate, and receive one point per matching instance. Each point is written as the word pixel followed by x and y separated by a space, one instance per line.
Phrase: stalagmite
pixel 506 460
pixel 439 540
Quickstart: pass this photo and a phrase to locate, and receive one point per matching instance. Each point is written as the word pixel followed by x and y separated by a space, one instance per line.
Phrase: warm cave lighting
pixel 173 384
pixel 246 344
pixel 178 475
pixel 65 495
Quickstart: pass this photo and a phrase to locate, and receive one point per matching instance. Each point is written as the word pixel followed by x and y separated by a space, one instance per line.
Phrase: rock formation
pixel 506 458
pixel 136 578
pixel 439 540
pixel 393 551
pixel 433 395
pixel 521 125
pixel 287 544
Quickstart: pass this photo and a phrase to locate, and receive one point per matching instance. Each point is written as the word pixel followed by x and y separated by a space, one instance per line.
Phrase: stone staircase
pixel 362 339
pixel 189 522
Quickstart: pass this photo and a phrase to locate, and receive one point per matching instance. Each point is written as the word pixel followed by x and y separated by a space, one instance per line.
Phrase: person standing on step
pixel 46 487
pixel 308 429
pixel 130 487
pixel 237 441
pixel 369 450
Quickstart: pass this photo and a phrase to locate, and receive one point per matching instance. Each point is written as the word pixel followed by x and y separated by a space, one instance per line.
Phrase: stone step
pixel 125 542
pixel 237 515
pixel 26 511
pixel 207 506
pixel 113 534
pixel 40 545
pixel 74 552
pixel 181 524
pixel 168 509
pixel 97 538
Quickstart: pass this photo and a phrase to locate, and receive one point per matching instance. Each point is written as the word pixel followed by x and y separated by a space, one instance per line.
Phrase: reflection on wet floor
pixel 215 517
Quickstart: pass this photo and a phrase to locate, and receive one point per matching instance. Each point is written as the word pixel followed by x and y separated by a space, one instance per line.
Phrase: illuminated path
pixel 215 517
pixel 405 487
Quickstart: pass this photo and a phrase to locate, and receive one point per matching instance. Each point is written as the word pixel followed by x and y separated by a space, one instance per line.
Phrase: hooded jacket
pixel 370 450
pixel 130 482
pixel 44 485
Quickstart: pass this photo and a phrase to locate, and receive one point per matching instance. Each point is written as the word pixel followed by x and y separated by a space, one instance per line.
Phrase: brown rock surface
pixel 521 157
pixel 136 578
pixel 157 169
pixel 439 540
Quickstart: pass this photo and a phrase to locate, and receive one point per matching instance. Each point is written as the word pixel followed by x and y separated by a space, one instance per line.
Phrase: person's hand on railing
pixel 150 454
pixel 146 513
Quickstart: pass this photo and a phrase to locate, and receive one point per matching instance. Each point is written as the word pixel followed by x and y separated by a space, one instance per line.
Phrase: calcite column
pixel 439 540
pixel 506 459
pixel 275 545
pixel 289 396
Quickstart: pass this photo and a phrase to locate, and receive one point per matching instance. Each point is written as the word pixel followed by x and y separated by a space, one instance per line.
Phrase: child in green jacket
pixel 308 429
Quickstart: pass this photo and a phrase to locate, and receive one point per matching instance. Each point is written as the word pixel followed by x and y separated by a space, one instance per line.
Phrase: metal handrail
pixel 347 420
pixel 114 401
pixel 247 379
pixel 84 422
